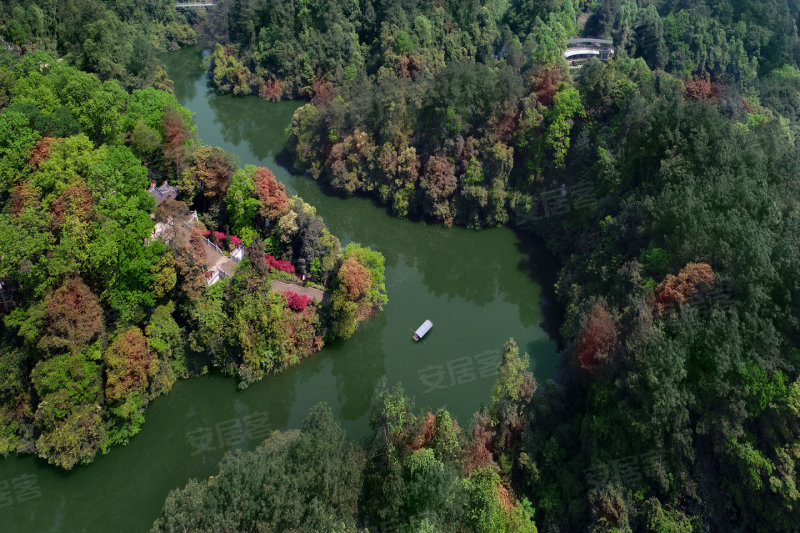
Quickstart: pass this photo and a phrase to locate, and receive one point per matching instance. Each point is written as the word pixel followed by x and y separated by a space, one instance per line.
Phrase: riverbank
pixel 476 286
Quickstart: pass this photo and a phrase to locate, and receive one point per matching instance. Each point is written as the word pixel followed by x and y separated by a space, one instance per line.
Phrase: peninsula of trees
pixel 107 299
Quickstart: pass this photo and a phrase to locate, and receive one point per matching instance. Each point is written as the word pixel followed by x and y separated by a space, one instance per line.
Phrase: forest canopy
pixel 664 179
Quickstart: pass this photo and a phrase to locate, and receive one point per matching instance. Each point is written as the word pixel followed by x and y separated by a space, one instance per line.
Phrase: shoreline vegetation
pixel 109 299
pixel 665 180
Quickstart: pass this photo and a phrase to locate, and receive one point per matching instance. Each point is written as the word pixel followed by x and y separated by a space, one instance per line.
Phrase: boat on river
pixel 422 330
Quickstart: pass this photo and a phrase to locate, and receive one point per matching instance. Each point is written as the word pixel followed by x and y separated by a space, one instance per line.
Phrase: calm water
pixel 478 288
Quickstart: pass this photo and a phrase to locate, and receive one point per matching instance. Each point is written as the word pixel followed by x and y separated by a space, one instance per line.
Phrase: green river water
pixel 478 287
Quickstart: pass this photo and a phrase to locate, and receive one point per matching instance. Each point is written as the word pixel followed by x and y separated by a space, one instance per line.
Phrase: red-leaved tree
pixel 23 196
pixel 40 152
pixel 129 364
pixel 73 318
pixel 439 179
pixel 176 134
pixel 596 339
pixel 675 289
pixel 213 169
pixel 191 265
pixel 76 200
pixel 271 90
pixel 354 278
pixel 271 193
pixel 478 453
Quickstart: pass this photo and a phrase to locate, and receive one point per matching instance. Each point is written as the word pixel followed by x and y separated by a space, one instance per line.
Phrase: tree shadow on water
pixel 541 267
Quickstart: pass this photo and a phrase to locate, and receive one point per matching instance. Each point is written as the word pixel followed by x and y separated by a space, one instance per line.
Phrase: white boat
pixel 422 330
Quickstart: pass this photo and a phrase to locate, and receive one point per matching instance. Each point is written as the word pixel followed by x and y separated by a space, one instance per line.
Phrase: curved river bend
pixel 478 287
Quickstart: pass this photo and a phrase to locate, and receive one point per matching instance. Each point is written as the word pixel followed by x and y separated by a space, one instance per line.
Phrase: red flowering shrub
pixel 236 241
pixel 219 236
pixel 283 266
pixel 297 302
pixel 207 233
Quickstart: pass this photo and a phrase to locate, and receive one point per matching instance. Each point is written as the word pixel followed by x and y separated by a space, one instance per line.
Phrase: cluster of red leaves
pixel 176 133
pixel 40 152
pixel 321 93
pixel 700 89
pixel 675 289
pixel 299 332
pixel 507 124
pixel 280 264
pixel 219 236
pixel 479 451
pixel 545 86
pixel 236 241
pixel 354 278
pixel 129 362
pixel 207 233
pixel 22 196
pixel 439 178
pixel 191 264
pixel 504 497
pixel 75 200
pixel 271 193
pixel 407 67
pixel 271 90
pixel 596 339
pixel 73 317
pixel 297 302
pixel 423 437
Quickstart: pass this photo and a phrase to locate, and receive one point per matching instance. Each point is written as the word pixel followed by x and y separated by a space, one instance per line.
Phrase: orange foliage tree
pixel 176 134
pixel 479 448
pixel 355 278
pixel 129 364
pixel 76 200
pixel 73 318
pixel 675 289
pixel 596 339
pixel 424 434
pixel 23 196
pixel 40 152
pixel 321 92
pixel 700 89
pixel 213 169
pixel 271 193
pixel 545 85
pixel 439 179
pixel 271 89
pixel 191 265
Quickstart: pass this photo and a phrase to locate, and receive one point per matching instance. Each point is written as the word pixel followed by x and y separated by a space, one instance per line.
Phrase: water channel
pixel 478 287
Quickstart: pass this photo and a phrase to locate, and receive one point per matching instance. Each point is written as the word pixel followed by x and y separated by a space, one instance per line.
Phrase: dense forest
pixel 417 472
pixel 108 299
pixel 115 39
pixel 665 180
